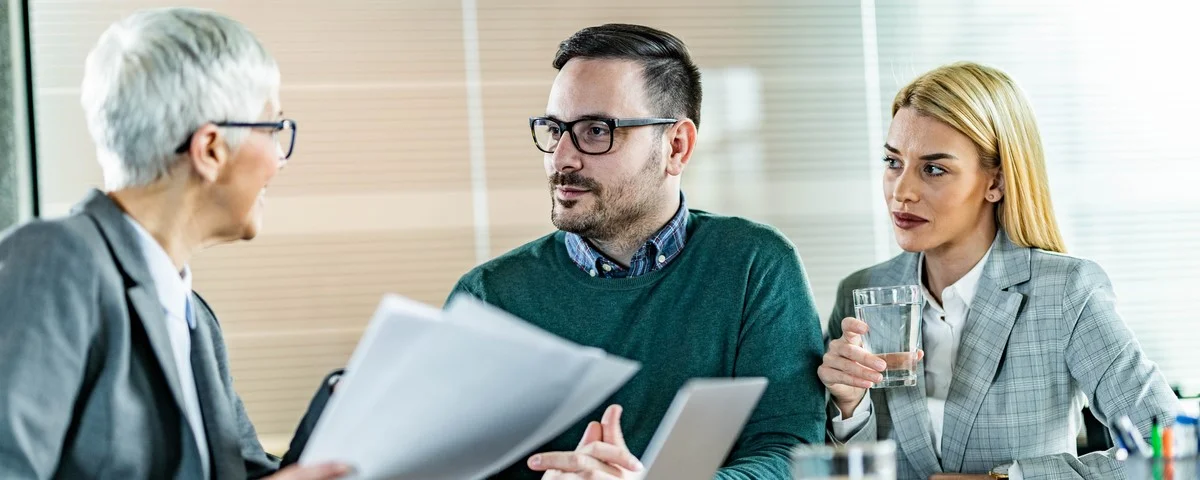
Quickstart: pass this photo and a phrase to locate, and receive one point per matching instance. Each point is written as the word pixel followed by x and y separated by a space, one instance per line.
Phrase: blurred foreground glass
pixel 893 317
pixel 1159 468
pixel 854 461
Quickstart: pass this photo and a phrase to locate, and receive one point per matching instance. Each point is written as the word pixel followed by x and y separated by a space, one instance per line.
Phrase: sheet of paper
pixel 603 377
pixel 456 399
pixel 391 308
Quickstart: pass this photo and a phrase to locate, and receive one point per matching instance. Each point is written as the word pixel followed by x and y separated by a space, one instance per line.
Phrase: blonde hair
pixel 987 106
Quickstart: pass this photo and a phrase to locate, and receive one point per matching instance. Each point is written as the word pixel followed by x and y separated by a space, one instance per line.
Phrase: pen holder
pixel 1159 468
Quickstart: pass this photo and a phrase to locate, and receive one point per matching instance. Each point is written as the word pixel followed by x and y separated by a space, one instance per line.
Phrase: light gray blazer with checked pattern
pixel 1042 334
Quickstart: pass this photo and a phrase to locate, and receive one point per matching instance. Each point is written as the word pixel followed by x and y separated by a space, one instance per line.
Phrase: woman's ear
pixel 208 152
pixel 995 191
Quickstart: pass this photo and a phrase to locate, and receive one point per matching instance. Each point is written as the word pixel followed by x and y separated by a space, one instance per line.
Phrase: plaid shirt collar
pixel 655 254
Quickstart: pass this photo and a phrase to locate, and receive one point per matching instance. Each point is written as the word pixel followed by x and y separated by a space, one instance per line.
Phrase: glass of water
pixel 893 316
pixel 852 461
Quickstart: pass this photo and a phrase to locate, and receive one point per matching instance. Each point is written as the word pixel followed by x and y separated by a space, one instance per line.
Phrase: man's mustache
pixel 572 179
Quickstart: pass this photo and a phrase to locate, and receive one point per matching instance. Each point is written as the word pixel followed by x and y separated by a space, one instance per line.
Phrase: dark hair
pixel 672 80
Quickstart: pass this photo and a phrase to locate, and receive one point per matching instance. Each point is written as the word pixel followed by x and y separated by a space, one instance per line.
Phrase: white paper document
pixel 456 394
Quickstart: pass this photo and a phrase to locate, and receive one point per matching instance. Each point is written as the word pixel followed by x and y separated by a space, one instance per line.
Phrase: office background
pixel 414 161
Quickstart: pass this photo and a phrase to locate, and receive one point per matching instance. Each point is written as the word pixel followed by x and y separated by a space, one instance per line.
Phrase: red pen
pixel 1168 447
pixel 1168 442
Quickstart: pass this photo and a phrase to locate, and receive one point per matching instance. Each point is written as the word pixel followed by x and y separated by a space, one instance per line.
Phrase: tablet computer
pixel 700 427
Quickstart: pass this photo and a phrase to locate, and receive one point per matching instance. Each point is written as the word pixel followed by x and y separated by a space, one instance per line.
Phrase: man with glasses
pixel 634 271
pixel 110 366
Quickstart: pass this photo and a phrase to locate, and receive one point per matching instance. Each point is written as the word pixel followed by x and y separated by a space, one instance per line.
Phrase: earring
pixel 991 197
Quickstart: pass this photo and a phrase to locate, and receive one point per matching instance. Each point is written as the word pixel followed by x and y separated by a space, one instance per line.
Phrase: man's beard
pixel 614 211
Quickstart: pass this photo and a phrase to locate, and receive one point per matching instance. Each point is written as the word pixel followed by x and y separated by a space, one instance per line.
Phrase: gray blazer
pixel 1043 333
pixel 88 384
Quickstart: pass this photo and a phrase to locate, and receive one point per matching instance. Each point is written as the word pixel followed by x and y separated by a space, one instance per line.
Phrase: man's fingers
pixel 593 433
pixel 579 476
pixel 612 426
pixel 613 455
pixel 570 462
pixel 325 471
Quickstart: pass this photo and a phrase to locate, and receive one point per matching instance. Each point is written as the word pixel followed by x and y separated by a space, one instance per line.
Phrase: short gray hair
pixel 156 76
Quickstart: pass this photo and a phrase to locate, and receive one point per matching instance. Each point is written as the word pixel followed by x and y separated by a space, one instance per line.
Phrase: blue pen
pixel 1122 450
pixel 1119 439
pixel 1133 438
pixel 1122 431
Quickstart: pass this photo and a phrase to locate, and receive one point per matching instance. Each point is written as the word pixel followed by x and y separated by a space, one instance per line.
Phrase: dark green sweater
pixel 734 303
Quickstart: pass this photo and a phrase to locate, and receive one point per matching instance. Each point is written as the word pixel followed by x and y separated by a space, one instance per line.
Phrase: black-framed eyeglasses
pixel 593 136
pixel 284 132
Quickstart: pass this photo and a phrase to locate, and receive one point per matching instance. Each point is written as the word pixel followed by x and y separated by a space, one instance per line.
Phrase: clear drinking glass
pixel 893 317
pixel 852 461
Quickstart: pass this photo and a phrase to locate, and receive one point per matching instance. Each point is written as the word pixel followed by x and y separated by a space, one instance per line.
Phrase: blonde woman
pixel 1016 335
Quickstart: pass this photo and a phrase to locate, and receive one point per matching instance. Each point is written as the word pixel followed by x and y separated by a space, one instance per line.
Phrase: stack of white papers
pixel 456 394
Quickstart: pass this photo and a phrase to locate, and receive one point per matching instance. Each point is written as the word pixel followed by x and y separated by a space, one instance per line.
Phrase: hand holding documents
pixel 456 394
